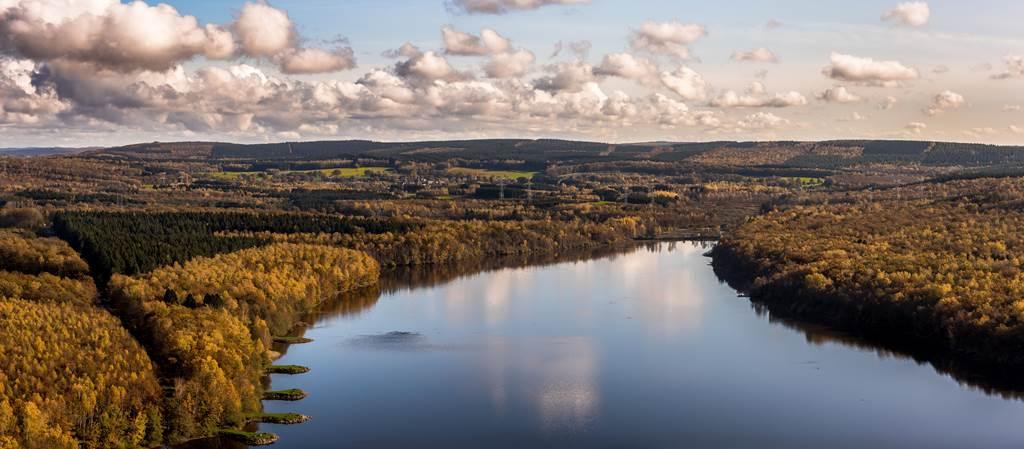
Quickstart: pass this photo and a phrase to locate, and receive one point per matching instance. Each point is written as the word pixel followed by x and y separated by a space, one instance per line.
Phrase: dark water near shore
pixel 645 349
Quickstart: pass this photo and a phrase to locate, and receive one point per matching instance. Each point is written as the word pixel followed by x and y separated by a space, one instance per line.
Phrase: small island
pixel 277 418
pixel 249 438
pixel 287 369
pixel 292 340
pixel 293 394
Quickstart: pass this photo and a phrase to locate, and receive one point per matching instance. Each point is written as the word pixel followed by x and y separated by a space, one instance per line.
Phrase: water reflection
pixel 569 397
pixel 644 348
pixel 1004 383
pixel 347 304
pixel 564 393
pixel 389 340
pixel 425 276
pixel 670 306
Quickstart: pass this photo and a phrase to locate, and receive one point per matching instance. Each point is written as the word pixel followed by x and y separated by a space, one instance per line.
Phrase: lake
pixel 643 349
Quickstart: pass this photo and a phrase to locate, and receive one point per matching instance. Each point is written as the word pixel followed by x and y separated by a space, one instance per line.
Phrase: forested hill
pixel 42 151
pixel 827 154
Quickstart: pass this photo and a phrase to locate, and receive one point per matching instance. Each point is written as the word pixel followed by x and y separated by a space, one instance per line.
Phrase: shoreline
pixel 297 332
pixel 875 325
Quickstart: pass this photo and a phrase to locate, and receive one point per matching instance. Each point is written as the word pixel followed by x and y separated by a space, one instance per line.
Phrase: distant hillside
pixel 41 151
pixel 519 149
pixel 160 150
pixel 828 154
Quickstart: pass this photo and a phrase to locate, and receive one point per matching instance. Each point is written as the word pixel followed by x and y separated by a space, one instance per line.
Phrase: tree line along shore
pixel 190 330
pixel 943 273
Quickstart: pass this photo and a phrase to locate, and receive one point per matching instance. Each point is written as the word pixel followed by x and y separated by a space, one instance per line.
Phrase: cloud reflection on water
pixel 559 376
pixel 551 369
pixel 557 380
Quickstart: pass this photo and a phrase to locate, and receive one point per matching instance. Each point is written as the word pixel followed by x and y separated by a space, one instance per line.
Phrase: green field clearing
pixel 507 174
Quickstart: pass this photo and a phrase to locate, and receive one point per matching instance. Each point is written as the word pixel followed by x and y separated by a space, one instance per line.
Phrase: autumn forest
pixel 146 291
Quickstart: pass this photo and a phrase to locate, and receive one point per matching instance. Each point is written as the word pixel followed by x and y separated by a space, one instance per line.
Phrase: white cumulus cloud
pixel 756 55
pixel 504 62
pixel 511 64
pixel 267 32
pixel 566 76
pixel 686 83
pixel 1014 68
pixel 756 97
pixel 838 94
pixel 314 60
pixel 625 65
pixel 107 34
pixel 916 127
pixel 132 37
pixel 264 31
pixel 20 101
pixel 464 44
pixel 504 6
pixel 762 120
pixel 944 101
pixel 868 71
pixel 428 66
pixel 667 38
pixel 915 14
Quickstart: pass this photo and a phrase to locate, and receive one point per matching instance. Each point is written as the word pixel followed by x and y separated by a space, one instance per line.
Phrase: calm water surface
pixel 646 349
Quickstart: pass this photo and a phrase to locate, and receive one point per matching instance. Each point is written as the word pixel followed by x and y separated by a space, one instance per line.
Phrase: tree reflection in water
pixel 423 276
pixel 989 380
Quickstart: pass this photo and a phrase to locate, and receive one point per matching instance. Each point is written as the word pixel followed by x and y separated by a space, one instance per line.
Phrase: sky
pixel 109 72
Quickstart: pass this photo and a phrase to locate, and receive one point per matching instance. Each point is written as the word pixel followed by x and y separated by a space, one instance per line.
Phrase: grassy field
pixel 507 174
pixel 329 172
